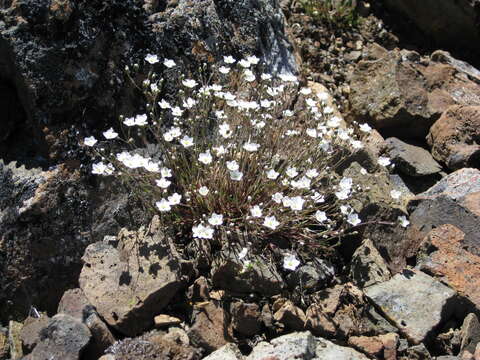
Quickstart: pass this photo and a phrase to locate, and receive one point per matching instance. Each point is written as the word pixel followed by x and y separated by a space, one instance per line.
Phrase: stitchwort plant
pixel 234 152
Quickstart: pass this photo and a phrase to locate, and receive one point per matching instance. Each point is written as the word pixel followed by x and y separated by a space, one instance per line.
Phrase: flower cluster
pixel 238 154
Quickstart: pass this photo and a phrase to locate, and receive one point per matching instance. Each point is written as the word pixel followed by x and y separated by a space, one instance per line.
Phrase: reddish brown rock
pixel 455 137
pixel 382 346
pixel 291 316
pixel 72 303
pixel 319 323
pixel 245 318
pixel 448 260
pixel 211 328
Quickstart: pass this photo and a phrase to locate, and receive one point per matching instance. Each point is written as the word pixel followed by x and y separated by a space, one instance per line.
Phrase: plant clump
pixel 236 152
pixel 335 13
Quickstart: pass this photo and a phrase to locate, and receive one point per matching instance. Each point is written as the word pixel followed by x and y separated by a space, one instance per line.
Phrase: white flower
pixel 166 172
pixel 290 262
pixel 266 76
pixel 303 183
pixel 202 232
pixel 190 83
pixel 203 191
pixel 205 158
pixel 90 141
pixel 346 183
pixel 151 166
pixel 343 194
pixel 291 172
pixel 229 59
pixel 186 141
pixel 256 211
pixel 345 209
pixel 395 194
pixel 232 165
pixel 305 91
pixel 266 103
pixel 175 131
pixel 154 88
pixel 317 197
pixel 272 174
pixel 251 147
pixel 310 102
pixel 163 183
pixel 311 173
pixel 189 103
pixel 321 216
pixel 249 76
pixel 288 77
pixel 356 144
pixel 244 63
pixel 163 205
pixel 243 253
pixel 102 169
pixel 365 128
pixel 164 104
pixel 253 60
pixel 334 122
pixel 220 150
pixel 141 120
pixel 174 199
pixel 129 121
pixel 403 221
pixel 353 219
pixel 236 175
pixel 363 171
pixel 224 69
pixel 277 197
pixel 288 113
pixel 271 222
pixel 215 219
pixel 152 59
pixel 312 133
pixel 168 136
pixel 322 96
pixel 384 161
pixel 342 134
pixel 169 63
pixel 176 111
pixel 296 203
pixel 110 134
pixel 224 130
pixel 328 110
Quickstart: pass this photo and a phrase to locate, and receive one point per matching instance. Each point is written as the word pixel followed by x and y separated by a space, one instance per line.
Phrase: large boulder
pixel 455 137
pixel 415 302
pixel 403 96
pixel 130 284
pixel 451 23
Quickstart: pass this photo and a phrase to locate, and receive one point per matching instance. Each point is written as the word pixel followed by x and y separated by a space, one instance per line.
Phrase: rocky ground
pixel 74 249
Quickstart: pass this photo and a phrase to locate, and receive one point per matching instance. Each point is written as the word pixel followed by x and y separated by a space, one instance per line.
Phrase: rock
pixel 226 352
pixel 318 322
pixel 367 266
pixel 417 352
pixel 443 255
pixel 454 137
pixel 470 333
pixel 102 338
pixel 107 357
pixel 4 348
pixel 411 160
pixel 245 318
pixel 30 333
pixel 298 345
pixel 211 327
pixel 261 277
pixel 72 303
pixel 64 338
pixel 198 291
pixel 453 200
pixel 383 346
pixel 14 340
pixel 414 302
pixel 152 345
pixel 375 142
pixel 312 276
pixel 129 287
pixel 164 320
pixel 409 95
pixel 302 345
pixel 455 22
pixel 291 316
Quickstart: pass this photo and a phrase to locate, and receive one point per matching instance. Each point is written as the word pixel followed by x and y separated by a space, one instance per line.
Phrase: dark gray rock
pixel 312 276
pixel 411 160
pixel 63 338
pixel 367 266
pixel 245 318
